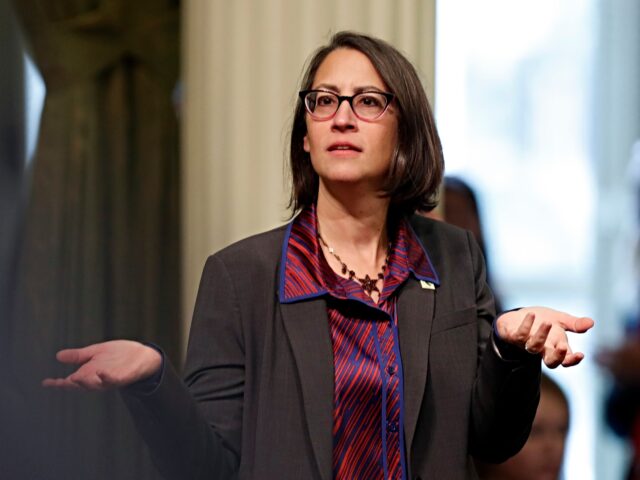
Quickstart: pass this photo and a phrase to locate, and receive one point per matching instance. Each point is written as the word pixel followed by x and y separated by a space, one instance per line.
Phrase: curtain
pixel 100 256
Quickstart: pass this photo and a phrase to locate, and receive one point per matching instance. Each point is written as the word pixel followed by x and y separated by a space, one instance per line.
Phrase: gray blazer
pixel 261 373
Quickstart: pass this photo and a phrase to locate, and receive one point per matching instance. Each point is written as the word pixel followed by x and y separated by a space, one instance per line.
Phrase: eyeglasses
pixel 367 106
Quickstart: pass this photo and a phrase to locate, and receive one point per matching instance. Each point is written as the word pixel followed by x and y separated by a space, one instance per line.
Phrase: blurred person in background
pixel 622 407
pixel 623 403
pixel 542 456
pixel 460 207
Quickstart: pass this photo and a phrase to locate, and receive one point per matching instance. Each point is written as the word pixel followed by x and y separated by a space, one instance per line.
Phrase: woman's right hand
pixel 106 365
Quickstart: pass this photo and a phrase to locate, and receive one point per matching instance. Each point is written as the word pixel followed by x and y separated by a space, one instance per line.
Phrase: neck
pixel 353 220
pixel 354 236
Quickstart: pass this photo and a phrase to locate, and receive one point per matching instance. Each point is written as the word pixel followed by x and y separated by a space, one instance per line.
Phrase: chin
pixel 352 176
pixel 355 182
pixel 342 175
pixel 350 179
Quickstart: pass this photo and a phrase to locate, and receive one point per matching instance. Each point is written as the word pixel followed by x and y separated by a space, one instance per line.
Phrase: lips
pixel 344 146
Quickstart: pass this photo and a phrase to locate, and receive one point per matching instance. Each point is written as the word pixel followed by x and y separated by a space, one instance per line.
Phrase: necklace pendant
pixel 369 284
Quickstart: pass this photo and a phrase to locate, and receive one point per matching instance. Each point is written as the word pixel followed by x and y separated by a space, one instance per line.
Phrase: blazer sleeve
pixel 193 428
pixel 506 391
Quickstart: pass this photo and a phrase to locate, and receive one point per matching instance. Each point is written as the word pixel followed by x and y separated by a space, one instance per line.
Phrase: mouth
pixel 344 147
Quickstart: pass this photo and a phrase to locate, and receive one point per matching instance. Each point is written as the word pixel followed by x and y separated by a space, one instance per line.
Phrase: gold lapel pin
pixel 427 285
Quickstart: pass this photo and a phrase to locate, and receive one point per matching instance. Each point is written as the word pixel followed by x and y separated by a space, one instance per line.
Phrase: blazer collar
pixel 416 302
pixel 304 273
pixel 307 326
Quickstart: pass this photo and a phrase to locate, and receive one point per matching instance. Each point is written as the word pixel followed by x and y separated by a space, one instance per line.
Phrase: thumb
pixel 76 355
pixel 582 324
pixel 575 324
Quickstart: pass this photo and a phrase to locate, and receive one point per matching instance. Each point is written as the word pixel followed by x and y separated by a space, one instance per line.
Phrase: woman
pixel 355 342
pixel 542 456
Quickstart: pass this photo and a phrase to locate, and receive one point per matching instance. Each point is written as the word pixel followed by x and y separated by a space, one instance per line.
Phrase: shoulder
pixel 262 243
pixel 253 253
pixel 438 237
pixel 452 249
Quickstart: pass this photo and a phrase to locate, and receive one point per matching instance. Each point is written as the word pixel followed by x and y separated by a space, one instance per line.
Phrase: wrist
pixel 152 362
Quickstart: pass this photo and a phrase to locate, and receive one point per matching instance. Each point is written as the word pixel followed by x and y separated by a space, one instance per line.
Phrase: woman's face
pixel 345 149
pixel 542 455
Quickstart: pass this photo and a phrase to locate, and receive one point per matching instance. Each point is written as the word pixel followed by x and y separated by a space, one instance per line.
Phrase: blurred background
pixel 138 137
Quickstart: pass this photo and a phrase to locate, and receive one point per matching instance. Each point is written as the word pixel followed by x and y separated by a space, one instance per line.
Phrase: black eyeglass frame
pixel 349 98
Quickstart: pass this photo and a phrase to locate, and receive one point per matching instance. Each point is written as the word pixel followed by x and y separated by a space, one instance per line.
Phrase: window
pixel 517 106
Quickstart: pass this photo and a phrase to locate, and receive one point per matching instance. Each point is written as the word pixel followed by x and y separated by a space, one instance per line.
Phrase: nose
pixel 344 118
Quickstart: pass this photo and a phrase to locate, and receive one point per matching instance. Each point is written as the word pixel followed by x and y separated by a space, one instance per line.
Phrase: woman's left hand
pixel 543 331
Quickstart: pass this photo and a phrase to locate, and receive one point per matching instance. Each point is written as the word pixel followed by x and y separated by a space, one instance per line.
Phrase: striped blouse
pixel 368 427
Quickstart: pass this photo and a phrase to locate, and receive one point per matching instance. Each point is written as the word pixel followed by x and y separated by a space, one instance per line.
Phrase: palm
pixel 106 365
pixel 541 330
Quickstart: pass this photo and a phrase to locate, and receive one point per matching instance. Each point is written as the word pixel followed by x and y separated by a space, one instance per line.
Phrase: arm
pixel 507 386
pixel 193 430
pixel 200 439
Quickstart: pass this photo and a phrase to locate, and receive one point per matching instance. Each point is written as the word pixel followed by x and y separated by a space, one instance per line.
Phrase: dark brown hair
pixel 417 165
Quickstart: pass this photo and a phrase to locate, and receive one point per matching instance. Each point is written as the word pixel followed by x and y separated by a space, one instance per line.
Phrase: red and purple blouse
pixel 368 412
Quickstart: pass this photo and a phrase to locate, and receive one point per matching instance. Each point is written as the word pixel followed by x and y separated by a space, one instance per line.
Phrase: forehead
pixel 347 69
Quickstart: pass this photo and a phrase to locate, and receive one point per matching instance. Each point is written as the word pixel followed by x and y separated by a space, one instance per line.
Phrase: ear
pixel 305 143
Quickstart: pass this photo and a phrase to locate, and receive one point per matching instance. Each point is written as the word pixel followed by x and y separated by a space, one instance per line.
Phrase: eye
pixel 325 99
pixel 370 100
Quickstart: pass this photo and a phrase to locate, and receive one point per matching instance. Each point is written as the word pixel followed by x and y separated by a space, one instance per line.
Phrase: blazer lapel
pixel 415 317
pixel 307 326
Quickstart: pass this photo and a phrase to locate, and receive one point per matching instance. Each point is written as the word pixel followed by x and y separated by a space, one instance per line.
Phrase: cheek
pixel 389 142
pixel 393 141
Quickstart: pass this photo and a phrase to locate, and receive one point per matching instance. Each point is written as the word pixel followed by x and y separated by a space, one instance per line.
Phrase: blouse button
pixel 391 369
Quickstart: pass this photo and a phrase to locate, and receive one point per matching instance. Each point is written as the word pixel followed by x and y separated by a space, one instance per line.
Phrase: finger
pixel 555 355
pixel 572 359
pixel 523 331
pixel 76 355
pixel 62 383
pixel 59 383
pixel 536 342
pixel 576 324
pixel 88 381
pixel 85 377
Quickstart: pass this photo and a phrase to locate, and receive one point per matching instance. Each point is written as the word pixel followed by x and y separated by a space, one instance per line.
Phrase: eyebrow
pixel 333 88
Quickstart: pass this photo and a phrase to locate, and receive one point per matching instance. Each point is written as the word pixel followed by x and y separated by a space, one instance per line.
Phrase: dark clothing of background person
pixel 622 407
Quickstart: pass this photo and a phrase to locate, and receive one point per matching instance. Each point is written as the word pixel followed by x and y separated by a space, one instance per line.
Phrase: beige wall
pixel 242 63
